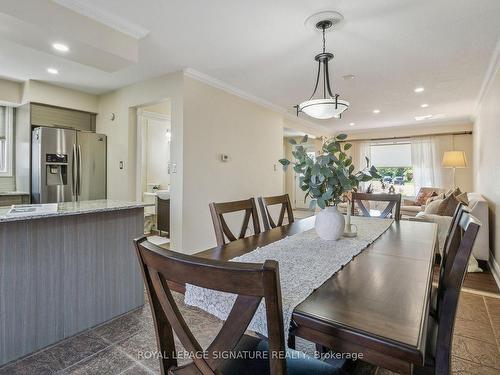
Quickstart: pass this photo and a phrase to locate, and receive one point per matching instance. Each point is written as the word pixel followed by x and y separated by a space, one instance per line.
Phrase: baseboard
pixel 495 269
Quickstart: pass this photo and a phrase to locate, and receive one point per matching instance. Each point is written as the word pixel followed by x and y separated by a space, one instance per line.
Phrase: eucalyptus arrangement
pixel 327 178
pixel 331 175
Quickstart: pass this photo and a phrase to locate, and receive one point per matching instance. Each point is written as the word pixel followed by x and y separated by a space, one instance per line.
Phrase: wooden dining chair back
pixel 286 207
pixel 392 209
pixel 457 262
pixel 250 282
pixel 222 230
pixel 452 240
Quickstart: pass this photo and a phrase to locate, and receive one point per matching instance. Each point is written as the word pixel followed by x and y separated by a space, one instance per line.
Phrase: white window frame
pixel 9 143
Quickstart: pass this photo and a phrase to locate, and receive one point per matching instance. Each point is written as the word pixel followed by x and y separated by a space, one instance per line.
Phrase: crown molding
pixel 214 82
pixel 488 79
pixel 192 73
pixel 106 18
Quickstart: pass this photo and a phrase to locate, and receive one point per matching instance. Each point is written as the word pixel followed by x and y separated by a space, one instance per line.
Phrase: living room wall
pixel 487 159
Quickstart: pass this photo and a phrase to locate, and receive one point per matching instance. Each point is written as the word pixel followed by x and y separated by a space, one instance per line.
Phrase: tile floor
pixel 115 347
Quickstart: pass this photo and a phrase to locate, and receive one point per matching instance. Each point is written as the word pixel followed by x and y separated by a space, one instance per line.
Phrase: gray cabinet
pixel 44 115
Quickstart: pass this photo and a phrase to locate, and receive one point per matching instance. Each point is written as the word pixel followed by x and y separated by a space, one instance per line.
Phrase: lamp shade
pixel 454 159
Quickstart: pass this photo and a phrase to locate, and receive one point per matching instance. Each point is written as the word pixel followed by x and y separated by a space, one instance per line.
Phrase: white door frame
pixel 299 200
pixel 141 152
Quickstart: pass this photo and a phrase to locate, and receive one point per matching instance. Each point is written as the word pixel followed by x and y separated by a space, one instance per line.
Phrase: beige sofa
pixel 408 207
pixel 479 209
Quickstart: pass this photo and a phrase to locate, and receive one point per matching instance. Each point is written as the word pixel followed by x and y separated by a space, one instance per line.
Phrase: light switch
pixel 121 164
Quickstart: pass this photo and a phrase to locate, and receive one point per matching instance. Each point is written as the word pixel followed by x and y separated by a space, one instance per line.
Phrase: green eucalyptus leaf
pixel 304 139
pixel 284 161
pixel 347 146
pixel 321 203
pixel 341 137
pixel 292 141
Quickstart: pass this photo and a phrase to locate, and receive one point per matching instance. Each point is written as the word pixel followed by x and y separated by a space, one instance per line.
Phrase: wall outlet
pixel 121 164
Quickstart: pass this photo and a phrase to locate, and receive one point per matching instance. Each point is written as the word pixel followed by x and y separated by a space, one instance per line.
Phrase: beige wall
pixel 216 122
pixel 487 158
pixel 122 139
pixel 41 92
pixel 10 92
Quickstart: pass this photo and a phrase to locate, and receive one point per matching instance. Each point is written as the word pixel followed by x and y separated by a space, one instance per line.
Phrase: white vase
pixel 330 223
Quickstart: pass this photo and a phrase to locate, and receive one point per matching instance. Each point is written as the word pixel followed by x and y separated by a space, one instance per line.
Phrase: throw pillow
pixel 453 191
pixel 435 198
pixel 432 207
pixel 463 198
pixel 423 196
pixel 448 206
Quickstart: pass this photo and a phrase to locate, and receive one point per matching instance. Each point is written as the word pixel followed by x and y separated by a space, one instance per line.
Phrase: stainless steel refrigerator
pixel 67 165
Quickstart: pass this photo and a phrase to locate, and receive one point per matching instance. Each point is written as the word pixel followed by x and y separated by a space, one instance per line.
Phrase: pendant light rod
pixel 329 105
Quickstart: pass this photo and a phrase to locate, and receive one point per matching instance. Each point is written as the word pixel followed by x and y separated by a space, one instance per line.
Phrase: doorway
pixel 153 168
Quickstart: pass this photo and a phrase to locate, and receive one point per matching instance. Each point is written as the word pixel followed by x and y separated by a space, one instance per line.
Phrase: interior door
pixel 92 166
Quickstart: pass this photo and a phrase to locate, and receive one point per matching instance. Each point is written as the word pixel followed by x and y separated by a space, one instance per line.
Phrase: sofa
pixel 408 206
pixel 479 209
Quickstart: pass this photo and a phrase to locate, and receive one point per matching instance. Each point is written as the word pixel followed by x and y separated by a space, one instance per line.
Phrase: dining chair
pixel 392 209
pixel 222 231
pixel 286 207
pixel 232 351
pixel 453 237
pixel 440 327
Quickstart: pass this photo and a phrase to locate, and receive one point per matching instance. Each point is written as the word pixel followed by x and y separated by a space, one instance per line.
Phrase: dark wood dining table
pixel 377 304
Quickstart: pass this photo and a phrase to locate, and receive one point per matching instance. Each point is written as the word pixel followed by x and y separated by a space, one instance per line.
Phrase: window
pixel 6 140
pixel 393 161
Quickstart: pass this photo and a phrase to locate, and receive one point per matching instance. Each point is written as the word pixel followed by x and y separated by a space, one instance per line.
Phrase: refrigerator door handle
pixel 79 169
pixel 73 171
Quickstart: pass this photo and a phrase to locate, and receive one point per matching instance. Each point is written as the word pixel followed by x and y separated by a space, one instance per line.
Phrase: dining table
pixel 376 306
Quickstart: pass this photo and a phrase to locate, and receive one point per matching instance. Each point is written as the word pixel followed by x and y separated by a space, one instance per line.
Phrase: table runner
pixel 305 263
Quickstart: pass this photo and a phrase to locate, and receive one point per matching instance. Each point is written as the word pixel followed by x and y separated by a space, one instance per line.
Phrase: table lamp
pixel 454 159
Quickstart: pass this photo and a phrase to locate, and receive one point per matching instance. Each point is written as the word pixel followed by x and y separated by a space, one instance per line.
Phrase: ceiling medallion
pixel 328 105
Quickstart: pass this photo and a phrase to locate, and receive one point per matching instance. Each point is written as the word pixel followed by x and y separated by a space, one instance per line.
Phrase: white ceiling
pixel 263 48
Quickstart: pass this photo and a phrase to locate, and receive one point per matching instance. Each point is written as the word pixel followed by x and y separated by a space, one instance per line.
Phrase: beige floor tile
pixel 476 351
pixel 474 330
pixel 472 307
pixel 463 367
pixel 493 307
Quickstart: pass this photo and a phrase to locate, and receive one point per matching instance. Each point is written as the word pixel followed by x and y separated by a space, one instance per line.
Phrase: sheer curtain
pixel 426 155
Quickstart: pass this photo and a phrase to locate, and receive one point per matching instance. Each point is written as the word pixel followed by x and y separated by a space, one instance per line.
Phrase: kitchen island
pixel 66 271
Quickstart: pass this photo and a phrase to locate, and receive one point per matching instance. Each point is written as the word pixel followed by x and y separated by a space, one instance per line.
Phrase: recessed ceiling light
pixel 425 105
pixel 376 111
pixel 60 47
pixel 419 89
pixel 352 124
pixel 348 77
pixel 52 70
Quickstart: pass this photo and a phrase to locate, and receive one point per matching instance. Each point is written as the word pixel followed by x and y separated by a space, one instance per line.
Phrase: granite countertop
pixel 7 193
pixel 76 208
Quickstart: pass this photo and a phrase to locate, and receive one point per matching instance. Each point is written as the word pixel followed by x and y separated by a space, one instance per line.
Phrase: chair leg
pixel 291 341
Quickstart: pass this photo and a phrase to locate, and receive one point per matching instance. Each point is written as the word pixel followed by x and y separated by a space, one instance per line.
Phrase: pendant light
pixel 329 105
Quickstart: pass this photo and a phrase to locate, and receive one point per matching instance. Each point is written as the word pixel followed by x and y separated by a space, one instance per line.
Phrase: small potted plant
pixel 326 179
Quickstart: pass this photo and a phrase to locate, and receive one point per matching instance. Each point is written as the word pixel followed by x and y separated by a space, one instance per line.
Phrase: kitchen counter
pixel 66 271
pixel 76 208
